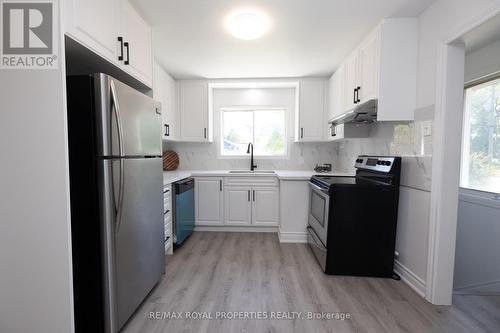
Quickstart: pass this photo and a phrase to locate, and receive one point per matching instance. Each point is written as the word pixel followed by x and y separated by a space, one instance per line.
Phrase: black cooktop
pixel 328 182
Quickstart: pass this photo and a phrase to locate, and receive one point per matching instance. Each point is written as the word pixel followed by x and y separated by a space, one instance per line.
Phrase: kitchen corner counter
pixel 173 176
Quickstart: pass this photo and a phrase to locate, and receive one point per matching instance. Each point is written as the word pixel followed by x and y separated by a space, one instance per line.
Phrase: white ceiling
pixel 307 38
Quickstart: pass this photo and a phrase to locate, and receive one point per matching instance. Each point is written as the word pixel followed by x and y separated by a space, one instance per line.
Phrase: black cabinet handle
pixel 220 185
pixel 253 195
pixel 354 96
pixel 357 94
pixel 205 132
pixel 167 130
pixel 248 195
pixel 120 39
pixel 302 132
pixel 127 62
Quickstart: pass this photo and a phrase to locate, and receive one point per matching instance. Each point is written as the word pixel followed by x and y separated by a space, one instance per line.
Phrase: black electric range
pixel 352 220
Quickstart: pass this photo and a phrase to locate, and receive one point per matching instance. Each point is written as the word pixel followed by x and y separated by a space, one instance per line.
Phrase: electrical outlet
pixel 427 128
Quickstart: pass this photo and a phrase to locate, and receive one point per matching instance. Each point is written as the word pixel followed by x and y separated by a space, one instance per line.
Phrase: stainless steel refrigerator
pixel 116 185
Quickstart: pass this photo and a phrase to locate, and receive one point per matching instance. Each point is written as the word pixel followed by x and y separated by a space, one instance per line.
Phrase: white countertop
pixel 173 176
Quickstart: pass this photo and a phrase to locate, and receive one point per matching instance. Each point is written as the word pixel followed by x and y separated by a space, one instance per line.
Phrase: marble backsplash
pixel 412 141
pixel 204 156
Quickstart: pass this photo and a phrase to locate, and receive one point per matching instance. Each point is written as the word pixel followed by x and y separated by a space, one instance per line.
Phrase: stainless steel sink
pixel 248 172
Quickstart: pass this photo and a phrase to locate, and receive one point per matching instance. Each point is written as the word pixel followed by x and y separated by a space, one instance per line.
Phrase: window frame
pixel 220 153
pixel 464 183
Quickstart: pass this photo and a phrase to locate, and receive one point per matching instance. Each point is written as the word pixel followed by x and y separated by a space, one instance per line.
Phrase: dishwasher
pixel 183 210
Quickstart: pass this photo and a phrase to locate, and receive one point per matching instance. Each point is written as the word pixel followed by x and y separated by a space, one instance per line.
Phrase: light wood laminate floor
pixel 215 272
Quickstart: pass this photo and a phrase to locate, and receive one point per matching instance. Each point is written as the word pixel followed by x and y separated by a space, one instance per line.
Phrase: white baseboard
pixel 410 278
pixel 235 229
pixel 487 288
pixel 292 237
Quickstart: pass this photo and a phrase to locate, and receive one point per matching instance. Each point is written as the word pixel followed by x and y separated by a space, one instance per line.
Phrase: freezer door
pixel 128 123
pixel 135 240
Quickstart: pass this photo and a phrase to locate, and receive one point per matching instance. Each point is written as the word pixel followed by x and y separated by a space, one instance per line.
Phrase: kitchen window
pixel 265 128
pixel 480 168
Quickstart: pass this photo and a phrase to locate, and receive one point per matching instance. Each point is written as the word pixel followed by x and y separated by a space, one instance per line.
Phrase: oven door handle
pixel 323 191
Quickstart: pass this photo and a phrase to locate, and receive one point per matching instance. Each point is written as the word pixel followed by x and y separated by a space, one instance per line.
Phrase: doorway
pixel 476 270
pixel 460 141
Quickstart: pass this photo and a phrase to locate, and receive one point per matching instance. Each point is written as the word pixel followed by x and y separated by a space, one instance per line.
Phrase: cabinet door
pixel 237 205
pixel 311 115
pixel 138 57
pixel 265 208
pixel 164 91
pixel 208 201
pixel 94 23
pixel 193 111
pixel 336 95
pixel 368 68
pixel 351 81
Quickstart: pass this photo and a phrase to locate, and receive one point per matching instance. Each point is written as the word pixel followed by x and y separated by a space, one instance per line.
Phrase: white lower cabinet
pixel 237 205
pixel 237 201
pixel 208 200
pixel 265 206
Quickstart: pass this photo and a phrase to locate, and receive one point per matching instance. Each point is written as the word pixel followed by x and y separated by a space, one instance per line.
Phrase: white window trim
pixel 465 158
pixel 220 155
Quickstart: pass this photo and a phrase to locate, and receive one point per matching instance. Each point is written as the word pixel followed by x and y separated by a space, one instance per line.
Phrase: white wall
pixel 204 156
pixel 35 256
pixel 482 62
pixel 478 249
pixel 442 21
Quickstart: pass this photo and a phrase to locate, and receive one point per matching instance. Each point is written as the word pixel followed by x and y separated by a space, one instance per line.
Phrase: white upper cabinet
pixel 195 120
pixel 336 93
pixel 397 80
pixel 208 201
pixel 310 116
pixel 351 81
pixel 368 69
pixel 136 33
pixel 94 23
pixel 165 91
pixel 384 67
pixel 114 30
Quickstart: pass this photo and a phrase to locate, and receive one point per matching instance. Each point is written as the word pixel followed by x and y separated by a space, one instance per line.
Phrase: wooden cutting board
pixel 170 160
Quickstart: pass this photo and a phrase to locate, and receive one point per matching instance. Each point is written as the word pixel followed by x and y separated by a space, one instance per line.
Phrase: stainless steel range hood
pixel 365 113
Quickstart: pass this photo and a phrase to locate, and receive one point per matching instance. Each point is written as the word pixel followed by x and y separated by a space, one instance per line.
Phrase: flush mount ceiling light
pixel 247 25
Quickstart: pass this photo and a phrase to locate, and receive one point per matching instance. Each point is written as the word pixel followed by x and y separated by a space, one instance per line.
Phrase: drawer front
pixel 167 198
pixel 251 181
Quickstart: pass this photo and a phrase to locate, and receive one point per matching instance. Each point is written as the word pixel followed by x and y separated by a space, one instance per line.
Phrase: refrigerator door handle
pixel 115 103
pixel 121 191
